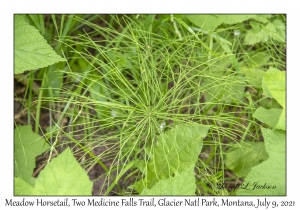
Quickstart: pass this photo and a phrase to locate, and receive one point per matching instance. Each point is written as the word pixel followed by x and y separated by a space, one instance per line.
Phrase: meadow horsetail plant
pixel 149 104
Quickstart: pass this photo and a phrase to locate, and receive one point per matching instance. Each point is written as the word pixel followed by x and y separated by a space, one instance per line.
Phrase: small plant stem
pixel 41 167
pixel 22 78
pixel 176 28
pixel 246 131
pixel 29 97
pixel 51 105
pixel 211 43
pixel 87 151
pixel 53 147
pixel 38 111
pixel 120 175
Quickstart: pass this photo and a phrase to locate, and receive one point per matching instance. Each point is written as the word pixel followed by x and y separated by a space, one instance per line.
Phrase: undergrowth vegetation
pixel 150 104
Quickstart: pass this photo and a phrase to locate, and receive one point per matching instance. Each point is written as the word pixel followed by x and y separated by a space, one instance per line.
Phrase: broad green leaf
pixel 270 172
pixel 205 22
pixel 254 36
pixel 181 184
pixel 241 157
pixel 262 18
pixel 229 89
pixel 31 50
pixel 255 25
pixel 23 188
pixel 211 22
pixel 63 176
pixel 274 87
pixel 264 86
pixel 257 60
pixel 281 122
pixel 276 30
pixel 32 181
pixel 268 116
pixel 176 151
pixel 262 33
pixel 254 76
pixel 281 31
pixel 275 82
pixel 27 145
pixel 217 64
pixel 233 19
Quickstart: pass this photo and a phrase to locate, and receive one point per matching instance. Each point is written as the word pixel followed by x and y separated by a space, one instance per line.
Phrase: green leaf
pixel 275 82
pixel 264 86
pixel 241 157
pixel 205 22
pixel 254 36
pixel 229 89
pixel 233 19
pixel 63 176
pixel 262 18
pixel 176 151
pixel 276 30
pixel 31 50
pixel 254 76
pixel 27 145
pixel 262 33
pixel 257 60
pixel 268 116
pixel 274 87
pixel 270 172
pixel 281 122
pixel 23 188
pixel 181 184
pixel 211 22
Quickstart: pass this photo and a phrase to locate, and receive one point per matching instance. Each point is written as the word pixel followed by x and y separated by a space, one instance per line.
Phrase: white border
pixel 155 6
